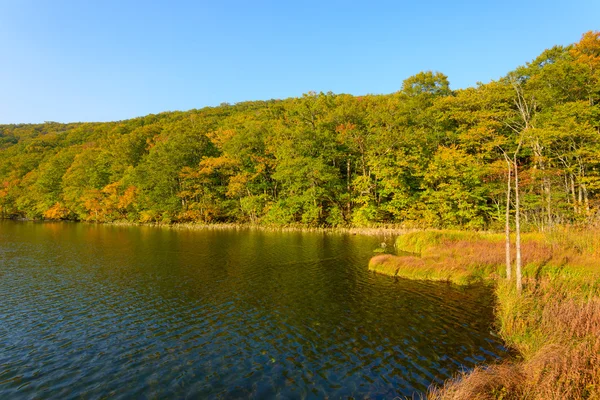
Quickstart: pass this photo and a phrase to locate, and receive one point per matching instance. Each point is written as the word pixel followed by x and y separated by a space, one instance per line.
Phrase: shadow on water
pixel 93 310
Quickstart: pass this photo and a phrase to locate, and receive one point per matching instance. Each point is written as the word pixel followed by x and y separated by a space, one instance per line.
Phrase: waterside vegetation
pixel 553 323
pixel 388 232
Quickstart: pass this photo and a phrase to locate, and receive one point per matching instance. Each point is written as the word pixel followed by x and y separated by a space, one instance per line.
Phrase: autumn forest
pixel 424 156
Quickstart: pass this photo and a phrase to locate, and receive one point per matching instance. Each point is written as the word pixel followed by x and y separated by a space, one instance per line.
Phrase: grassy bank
pixel 554 324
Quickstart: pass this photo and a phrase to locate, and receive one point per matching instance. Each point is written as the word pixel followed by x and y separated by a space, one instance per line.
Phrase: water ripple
pixel 98 311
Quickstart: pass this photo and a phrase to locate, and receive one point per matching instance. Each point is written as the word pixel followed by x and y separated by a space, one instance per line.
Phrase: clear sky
pixel 103 60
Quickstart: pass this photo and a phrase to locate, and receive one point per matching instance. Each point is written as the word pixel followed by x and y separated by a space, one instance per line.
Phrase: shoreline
pixel 553 325
pixel 385 230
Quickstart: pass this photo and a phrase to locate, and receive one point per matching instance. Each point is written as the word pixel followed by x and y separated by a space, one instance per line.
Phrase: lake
pixel 94 311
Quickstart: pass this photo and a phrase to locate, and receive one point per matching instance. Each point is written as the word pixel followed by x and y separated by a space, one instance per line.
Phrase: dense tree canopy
pixel 423 156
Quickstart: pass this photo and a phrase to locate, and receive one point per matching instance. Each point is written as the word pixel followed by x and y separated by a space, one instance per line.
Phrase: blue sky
pixel 109 60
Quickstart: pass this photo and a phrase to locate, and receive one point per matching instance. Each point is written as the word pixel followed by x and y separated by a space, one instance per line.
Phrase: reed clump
pixel 554 324
pixel 556 330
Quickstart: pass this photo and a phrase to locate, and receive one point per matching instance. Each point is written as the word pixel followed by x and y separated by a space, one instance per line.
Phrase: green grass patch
pixel 419 241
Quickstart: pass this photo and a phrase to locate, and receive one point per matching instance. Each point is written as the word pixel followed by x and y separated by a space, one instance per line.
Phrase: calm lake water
pixel 94 311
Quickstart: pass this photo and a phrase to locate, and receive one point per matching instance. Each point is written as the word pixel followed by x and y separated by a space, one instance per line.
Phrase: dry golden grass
pixel 561 358
pixel 556 373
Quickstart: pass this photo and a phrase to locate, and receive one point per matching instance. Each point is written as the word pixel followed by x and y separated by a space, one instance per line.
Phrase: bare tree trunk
pixel 517 230
pixel 348 204
pixel 538 151
pixel 348 175
pixel 549 203
pixel 363 163
pixel 507 223
pixel 526 110
pixel 573 195
pixel 586 200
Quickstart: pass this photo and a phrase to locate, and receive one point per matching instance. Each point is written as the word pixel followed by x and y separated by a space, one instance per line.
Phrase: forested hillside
pixel 424 156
